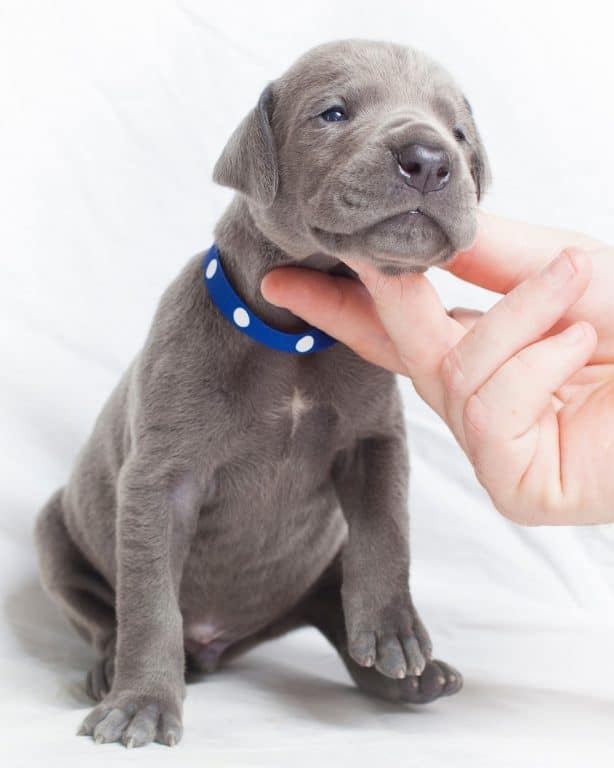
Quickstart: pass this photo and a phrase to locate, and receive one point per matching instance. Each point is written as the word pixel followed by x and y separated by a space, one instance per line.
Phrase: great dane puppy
pixel 230 492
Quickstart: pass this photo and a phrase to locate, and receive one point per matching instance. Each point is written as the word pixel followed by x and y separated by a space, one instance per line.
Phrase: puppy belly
pixel 235 584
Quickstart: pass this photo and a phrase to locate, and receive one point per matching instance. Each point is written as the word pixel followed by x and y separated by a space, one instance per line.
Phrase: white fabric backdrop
pixel 112 115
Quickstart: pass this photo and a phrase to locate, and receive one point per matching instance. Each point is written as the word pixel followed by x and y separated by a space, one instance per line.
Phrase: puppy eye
pixel 459 134
pixel 334 114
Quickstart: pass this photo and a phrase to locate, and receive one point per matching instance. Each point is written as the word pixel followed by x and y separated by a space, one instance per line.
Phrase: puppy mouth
pixel 402 253
pixel 412 212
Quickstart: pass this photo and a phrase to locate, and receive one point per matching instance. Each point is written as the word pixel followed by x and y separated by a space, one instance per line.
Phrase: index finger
pixel 338 306
pixel 506 252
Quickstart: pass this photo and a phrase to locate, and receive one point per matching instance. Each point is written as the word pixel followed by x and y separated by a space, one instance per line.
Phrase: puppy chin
pixel 388 247
pixel 404 254
pixel 403 259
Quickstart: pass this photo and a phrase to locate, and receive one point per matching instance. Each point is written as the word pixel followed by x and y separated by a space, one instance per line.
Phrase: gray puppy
pixel 231 492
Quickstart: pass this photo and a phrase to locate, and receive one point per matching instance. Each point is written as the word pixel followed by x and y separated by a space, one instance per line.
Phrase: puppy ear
pixel 480 168
pixel 478 164
pixel 248 162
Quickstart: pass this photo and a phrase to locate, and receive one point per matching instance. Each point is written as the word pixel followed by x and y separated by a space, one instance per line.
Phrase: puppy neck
pixel 248 255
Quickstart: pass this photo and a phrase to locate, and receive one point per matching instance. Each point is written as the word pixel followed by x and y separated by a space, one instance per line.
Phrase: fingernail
pixel 573 335
pixel 560 271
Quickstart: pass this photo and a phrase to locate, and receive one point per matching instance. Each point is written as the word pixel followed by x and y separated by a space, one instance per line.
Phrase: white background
pixel 111 117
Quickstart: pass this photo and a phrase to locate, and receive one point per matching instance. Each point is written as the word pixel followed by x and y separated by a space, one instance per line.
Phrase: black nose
pixel 426 169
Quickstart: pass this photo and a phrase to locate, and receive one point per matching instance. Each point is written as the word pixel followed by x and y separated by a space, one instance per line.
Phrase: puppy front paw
pixel 134 720
pixel 394 642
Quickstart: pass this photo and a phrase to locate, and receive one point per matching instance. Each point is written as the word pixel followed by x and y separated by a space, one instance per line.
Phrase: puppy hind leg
pixel 324 610
pixel 83 594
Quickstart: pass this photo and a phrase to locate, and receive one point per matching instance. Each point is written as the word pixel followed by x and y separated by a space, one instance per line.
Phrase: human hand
pixel 527 388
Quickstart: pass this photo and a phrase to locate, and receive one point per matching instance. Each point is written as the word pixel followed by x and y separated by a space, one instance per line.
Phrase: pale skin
pixel 527 388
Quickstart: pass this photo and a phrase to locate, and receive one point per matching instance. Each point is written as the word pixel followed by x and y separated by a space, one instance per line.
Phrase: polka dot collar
pixel 239 314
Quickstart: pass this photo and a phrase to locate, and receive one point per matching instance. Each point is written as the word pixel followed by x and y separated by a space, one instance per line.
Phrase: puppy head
pixel 365 150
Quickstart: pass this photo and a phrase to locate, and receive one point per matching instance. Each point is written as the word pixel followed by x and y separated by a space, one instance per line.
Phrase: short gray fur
pixel 229 492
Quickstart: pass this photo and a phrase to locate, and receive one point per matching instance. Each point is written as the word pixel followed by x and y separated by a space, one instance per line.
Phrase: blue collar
pixel 238 314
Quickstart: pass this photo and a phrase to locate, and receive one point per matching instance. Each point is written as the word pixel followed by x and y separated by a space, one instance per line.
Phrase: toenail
pixel 441 680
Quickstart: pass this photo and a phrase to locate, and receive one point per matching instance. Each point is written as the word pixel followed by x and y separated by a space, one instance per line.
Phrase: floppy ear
pixel 248 162
pixel 479 165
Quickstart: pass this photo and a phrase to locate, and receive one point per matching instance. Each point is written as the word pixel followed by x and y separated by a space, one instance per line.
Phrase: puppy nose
pixel 426 169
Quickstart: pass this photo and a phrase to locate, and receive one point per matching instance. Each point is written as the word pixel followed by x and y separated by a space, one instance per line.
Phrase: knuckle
pixel 522 365
pixel 513 303
pixel 475 416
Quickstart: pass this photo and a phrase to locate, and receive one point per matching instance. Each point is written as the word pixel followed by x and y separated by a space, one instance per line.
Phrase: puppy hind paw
pixel 100 678
pixel 438 679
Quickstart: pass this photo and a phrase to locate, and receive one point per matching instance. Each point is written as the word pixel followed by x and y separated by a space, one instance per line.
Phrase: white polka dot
pixel 211 269
pixel 304 344
pixel 240 317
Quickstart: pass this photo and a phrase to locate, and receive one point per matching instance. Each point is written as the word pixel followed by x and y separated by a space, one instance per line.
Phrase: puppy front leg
pixel 156 520
pixel 383 628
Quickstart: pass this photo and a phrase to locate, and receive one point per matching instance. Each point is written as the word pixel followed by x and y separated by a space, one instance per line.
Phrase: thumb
pixel 506 252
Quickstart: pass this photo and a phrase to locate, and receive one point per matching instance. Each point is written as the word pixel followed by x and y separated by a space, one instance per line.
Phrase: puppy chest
pixel 304 424
pixel 283 446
